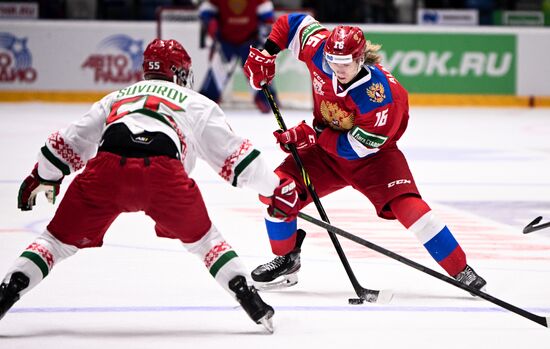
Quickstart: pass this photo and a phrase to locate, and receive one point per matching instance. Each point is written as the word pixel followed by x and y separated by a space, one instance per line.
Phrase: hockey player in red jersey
pixel 138 146
pixel 360 111
pixel 233 26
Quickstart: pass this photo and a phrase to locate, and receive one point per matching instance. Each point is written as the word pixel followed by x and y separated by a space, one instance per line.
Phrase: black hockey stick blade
pixel 531 227
pixel 372 296
pixel 541 320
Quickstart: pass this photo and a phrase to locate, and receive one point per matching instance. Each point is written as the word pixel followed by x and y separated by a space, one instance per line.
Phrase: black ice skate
pixel 282 271
pixel 469 277
pixel 252 303
pixel 9 293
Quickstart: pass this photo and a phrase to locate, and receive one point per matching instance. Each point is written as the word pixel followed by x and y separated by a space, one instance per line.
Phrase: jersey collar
pixel 336 86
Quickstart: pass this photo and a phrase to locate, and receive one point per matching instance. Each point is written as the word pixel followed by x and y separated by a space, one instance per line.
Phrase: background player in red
pixel 234 26
pixel 138 146
pixel 359 113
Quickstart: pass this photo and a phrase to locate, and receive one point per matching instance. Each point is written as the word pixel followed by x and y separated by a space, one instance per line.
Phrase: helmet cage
pixel 168 60
pixel 183 77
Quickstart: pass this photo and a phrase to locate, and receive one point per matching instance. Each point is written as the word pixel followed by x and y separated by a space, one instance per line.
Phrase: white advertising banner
pixel 59 55
pixel 447 17
pixel 93 56
pixel 18 10
pixel 80 55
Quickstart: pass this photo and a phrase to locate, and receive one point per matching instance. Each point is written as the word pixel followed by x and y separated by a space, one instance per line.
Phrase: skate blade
pixel 483 289
pixel 267 322
pixel 384 297
pixel 284 282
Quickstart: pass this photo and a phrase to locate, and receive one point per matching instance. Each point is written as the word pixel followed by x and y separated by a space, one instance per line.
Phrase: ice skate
pixel 252 303
pixel 282 271
pixel 469 277
pixel 9 293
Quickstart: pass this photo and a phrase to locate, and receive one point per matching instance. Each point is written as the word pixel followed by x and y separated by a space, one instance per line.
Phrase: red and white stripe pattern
pixel 215 253
pixel 43 252
pixel 65 151
pixel 227 168
pixel 179 132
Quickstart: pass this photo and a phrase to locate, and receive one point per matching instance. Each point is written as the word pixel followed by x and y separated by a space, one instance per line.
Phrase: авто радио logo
pixel 15 60
pixel 119 61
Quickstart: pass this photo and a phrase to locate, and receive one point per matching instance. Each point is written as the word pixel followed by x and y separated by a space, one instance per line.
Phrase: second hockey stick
pixel 364 294
pixel 534 225
pixel 541 320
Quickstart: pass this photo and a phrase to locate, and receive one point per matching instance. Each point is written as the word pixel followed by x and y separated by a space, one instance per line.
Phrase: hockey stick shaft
pixel 359 290
pixel 544 321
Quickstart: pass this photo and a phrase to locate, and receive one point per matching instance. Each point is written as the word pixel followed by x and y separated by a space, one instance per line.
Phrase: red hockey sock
pixel 414 213
pixel 408 209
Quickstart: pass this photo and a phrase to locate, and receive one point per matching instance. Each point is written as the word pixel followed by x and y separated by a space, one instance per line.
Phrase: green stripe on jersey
pixel 308 31
pixel 66 170
pixel 243 164
pixel 369 140
pixel 36 259
pixel 154 115
pixel 226 257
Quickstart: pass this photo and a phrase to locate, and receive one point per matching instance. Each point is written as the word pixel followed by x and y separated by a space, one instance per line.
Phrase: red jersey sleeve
pixel 293 31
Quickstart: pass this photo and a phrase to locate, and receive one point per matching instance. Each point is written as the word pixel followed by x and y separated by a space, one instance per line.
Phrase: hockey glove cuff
pixel 302 136
pixel 283 204
pixel 31 186
pixel 259 68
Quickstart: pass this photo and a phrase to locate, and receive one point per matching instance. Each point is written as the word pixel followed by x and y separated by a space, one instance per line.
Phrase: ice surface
pixel 485 172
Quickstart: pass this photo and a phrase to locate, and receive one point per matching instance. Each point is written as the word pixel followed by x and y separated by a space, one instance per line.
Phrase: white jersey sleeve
pixel 233 157
pixel 70 148
pixel 195 124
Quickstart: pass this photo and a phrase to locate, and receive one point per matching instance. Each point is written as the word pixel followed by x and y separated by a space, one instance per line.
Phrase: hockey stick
pixel 531 227
pixel 541 320
pixel 364 294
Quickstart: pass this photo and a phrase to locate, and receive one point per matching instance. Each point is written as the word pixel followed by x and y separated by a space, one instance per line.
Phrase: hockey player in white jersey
pixel 138 145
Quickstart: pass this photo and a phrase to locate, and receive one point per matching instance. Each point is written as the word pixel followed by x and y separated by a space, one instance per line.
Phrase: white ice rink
pixel 485 172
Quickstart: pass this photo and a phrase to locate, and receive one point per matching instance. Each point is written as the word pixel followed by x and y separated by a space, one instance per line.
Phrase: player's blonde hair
pixel 371 55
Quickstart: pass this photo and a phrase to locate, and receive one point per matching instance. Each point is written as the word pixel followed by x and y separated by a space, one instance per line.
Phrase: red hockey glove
pixel 283 204
pixel 31 186
pixel 302 136
pixel 259 68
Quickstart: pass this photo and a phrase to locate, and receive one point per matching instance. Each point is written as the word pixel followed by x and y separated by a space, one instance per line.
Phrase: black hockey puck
pixel 356 301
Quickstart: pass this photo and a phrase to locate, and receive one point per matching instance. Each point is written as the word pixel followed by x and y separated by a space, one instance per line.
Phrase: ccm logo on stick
pixel 399 181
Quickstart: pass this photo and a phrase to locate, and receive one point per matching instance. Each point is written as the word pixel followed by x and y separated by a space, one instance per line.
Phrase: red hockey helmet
pixel 167 59
pixel 344 44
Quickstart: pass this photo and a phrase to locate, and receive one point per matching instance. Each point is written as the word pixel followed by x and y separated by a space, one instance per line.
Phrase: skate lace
pixel 274 264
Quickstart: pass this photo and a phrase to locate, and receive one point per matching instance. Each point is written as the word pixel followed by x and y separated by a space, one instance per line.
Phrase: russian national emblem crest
pixel 335 117
pixel 376 93
pixel 237 6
